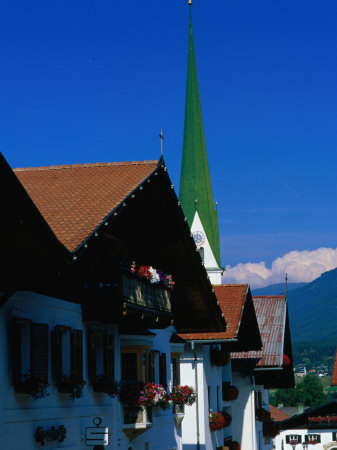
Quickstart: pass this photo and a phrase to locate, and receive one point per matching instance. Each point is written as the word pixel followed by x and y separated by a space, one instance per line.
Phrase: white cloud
pixel 299 265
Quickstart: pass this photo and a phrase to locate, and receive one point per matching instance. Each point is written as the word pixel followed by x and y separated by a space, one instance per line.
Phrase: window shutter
pixel 56 338
pixel 287 439
pixel 151 369
pixel 15 342
pixel 92 356
pixel 109 355
pixel 39 350
pixel 76 352
pixel 319 438
pixel 299 438
pixel 334 435
pixel 162 370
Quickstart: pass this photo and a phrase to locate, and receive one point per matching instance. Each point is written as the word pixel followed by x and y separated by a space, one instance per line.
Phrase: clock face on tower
pixel 199 238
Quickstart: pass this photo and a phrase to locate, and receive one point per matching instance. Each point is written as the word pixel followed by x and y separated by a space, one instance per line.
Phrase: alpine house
pixel 94 287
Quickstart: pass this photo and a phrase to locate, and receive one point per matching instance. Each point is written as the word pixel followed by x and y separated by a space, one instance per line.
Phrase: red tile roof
pixel 232 299
pixel 334 373
pixel 277 414
pixel 75 199
pixel 271 316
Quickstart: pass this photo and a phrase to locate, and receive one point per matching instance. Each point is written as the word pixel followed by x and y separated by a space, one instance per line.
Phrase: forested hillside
pixel 313 354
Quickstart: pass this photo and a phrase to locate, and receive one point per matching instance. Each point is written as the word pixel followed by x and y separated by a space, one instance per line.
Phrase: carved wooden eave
pixel 29 250
pixel 148 225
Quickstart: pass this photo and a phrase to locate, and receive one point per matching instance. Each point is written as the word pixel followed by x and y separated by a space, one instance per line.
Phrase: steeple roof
pixel 195 182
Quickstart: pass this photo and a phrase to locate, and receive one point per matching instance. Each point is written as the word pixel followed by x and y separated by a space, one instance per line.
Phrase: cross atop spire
pixel 195 191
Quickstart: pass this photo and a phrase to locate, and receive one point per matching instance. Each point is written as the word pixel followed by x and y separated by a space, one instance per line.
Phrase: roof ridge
pixel 231 284
pixel 71 166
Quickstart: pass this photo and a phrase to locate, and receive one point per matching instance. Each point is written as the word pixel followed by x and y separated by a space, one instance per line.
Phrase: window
pixel 313 437
pixel 258 399
pixel 29 351
pixel 134 364
pixel 175 369
pixel 67 346
pixel 218 399
pixel 100 356
pixel 293 437
pixel 157 368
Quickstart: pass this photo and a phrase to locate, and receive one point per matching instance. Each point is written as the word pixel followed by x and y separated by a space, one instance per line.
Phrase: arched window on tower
pixel 202 253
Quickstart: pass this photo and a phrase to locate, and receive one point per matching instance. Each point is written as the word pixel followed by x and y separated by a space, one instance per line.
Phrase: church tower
pixel 195 192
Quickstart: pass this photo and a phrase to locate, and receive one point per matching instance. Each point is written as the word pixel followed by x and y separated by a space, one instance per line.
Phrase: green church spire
pixel 195 190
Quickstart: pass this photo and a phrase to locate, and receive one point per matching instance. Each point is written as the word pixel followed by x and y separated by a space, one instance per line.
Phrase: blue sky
pixel 95 81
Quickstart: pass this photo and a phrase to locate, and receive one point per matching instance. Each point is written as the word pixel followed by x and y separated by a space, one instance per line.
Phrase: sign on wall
pixel 97 435
pixel 52 434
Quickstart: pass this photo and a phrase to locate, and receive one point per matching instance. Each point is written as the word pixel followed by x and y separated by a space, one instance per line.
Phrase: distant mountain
pixel 277 289
pixel 313 309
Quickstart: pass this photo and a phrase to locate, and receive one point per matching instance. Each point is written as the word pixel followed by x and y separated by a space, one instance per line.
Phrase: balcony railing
pixel 145 294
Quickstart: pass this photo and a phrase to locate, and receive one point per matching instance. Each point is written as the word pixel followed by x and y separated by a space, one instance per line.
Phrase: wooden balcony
pixel 128 300
pixel 146 295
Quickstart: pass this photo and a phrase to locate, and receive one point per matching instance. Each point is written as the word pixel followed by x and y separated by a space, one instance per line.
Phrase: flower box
pixel 219 357
pixel 32 385
pixel 219 420
pixel 229 392
pixel 107 385
pixel 153 395
pixel 137 416
pixel 178 409
pixel 183 395
pixel 71 384
pixel 262 414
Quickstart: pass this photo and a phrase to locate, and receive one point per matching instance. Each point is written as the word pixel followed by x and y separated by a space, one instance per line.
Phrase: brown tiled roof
pixel 75 199
pixel 277 414
pixel 232 298
pixel 334 373
pixel 271 315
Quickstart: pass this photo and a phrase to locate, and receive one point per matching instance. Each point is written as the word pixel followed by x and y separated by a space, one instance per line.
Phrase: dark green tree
pixel 309 392
pixel 286 397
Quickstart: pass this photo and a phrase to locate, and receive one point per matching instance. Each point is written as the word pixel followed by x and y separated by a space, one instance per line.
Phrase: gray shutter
pixel 56 339
pixel 76 352
pixel 162 370
pixel 108 352
pixel 151 368
pixel 15 351
pixel 91 341
pixel 39 350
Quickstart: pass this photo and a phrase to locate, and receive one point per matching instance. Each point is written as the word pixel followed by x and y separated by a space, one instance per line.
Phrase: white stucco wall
pixel 327 442
pixel 244 426
pixel 209 376
pixel 20 415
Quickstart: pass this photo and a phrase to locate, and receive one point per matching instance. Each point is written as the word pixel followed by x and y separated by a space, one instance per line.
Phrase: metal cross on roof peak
pixel 161 142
